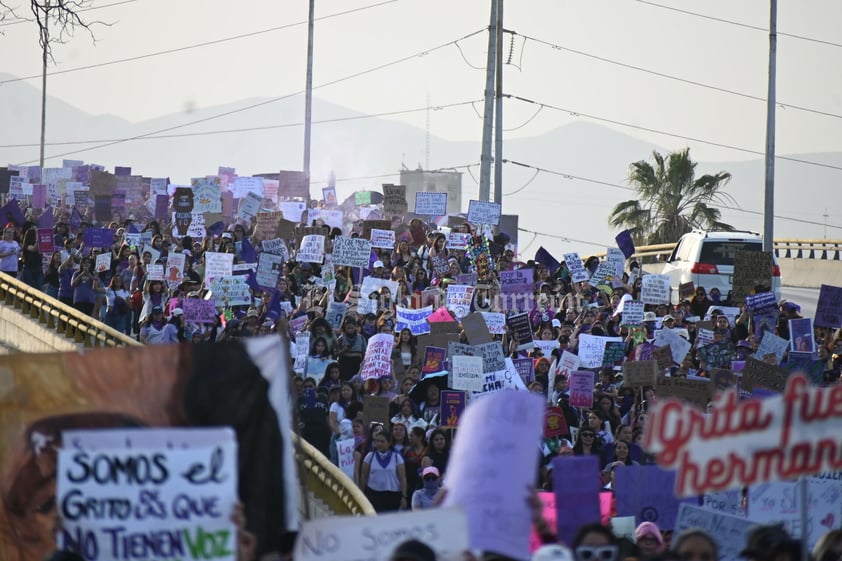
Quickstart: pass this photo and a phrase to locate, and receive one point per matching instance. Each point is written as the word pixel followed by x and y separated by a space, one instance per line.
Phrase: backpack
pixel 137 300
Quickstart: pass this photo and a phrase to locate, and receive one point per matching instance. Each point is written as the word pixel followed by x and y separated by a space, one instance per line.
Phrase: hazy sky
pixel 628 31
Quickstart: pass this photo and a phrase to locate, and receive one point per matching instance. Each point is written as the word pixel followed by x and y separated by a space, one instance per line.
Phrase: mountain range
pixel 558 202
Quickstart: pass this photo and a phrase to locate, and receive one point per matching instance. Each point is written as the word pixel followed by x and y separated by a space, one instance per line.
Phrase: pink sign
pixel 440 315
pixel 46 241
pixel 581 384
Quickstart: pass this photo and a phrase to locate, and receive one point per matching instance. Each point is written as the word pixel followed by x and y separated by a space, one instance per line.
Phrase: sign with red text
pixel 378 356
pixel 745 443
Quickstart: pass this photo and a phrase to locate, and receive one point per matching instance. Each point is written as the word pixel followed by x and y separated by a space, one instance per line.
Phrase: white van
pixel 707 259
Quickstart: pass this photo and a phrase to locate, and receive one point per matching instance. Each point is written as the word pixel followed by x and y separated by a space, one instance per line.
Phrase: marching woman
pixel 383 476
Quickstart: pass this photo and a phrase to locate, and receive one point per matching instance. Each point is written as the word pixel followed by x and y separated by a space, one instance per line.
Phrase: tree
pixel 57 20
pixel 671 201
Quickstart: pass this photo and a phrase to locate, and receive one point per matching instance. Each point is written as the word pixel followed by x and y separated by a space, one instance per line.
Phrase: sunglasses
pixel 601 553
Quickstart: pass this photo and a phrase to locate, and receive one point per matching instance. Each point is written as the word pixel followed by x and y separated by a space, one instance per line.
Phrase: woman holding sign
pixel 383 476
pixel 85 286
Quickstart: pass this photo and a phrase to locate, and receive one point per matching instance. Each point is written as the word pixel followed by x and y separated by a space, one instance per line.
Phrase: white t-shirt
pixel 9 264
pixel 384 478
pixel 339 410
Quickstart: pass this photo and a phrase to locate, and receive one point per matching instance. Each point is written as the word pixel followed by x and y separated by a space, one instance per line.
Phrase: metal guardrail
pixel 788 248
pixel 59 317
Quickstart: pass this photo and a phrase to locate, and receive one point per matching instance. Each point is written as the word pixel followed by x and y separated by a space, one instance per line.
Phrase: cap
pixel 667 318
pixel 226 235
pixel 651 530
pixel 187 252
pixel 157 310
pixel 650 316
pixel 252 313
pixel 552 552
pixel 413 550
pixel 377 264
pixel 764 539
pixel 791 307
pixel 430 470
pixel 178 312
pixel 556 323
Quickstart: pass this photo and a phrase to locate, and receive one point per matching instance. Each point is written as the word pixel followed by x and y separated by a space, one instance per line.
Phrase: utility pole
pixel 769 201
pixel 488 110
pixel 45 53
pixel 308 96
pixel 498 118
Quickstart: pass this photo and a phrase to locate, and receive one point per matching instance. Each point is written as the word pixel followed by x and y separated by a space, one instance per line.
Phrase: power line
pixel 739 24
pixel 268 101
pixel 248 129
pixel 88 9
pixel 563 238
pixel 676 78
pixel 197 45
pixel 573 113
pixel 625 188
pixel 382 175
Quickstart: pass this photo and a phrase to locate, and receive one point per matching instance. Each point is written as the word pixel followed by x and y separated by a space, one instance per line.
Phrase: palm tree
pixel 671 201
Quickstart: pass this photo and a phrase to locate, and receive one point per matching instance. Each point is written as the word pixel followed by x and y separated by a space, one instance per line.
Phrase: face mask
pixel 716 298
pixel 431 485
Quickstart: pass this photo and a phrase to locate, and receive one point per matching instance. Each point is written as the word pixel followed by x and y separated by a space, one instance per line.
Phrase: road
pixel 807 298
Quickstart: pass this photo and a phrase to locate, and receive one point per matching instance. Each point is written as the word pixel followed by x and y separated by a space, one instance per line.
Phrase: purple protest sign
pixel 46 241
pixel 581 384
pixel 122 171
pixel 646 492
pixel 576 484
pixel 625 243
pixel 199 310
pixel 829 309
pixel 452 406
pixel 39 196
pixel 162 203
pixel 518 288
pixel 98 237
pixel 526 369
pixel 433 360
pixel 47 220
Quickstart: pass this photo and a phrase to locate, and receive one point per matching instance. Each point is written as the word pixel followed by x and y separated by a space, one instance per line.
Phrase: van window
pixel 723 252
pixel 685 250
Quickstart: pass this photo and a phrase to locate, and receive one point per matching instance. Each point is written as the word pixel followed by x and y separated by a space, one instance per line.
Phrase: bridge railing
pixel 788 248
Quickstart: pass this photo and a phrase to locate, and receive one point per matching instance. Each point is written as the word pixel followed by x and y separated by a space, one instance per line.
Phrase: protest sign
pixel 383 239
pixel 498 515
pixel 329 196
pixel 378 356
pixel 394 199
pixel 722 502
pixel 517 289
pixel 311 250
pixel 686 290
pixel 414 320
pixel 697 392
pixel 592 348
pixel 103 262
pixel 547 347
pixel 772 344
pixel 459 298
pixel 717 355
pixel 613 355
pixel 434 358
pixel 704 337
pixel 269 268
pixel 581 384
pixel 646 492
pixel 639 373
pixel 439 265
pixel 370 225
pixel 345 454
pixel 663 355
pixel 555 425
pixel 615 255
pixel 376 410
pixel 578 273
pixel 728 531
pixel 576 487
pixel 452 407
pixel 493 359
pixel 829 307
pixel 46 240
pixel 761 303
pixel 655 289
pixel 458 240
pixel 192 511
pixel 207 195
pixel 632 313
pixel 744 443
pixel 218 265
pixel 155 272
pixel 175 267
pixel 267 224
pixel 751 269
pixel 495 321
pixel 276 246
pixel 430 204
pixel 375 538
pixel 362 198
pixel 336 313
pixel 603 275
pixel 231 291
pixel 526 369
pixel 567 363
pixel 520 329
pixel 98 237
pixel 679 346
pixel 197 310
pixel 801 335
pixel 484 212
pixel 758 373
pixel 440 315
pixel 351 252
pixel 466 373
pixel 476 329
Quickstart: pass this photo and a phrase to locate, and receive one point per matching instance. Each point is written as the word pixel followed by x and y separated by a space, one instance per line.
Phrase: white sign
pixel 155 272
pixel 231 291
pixel 103 262
pixel 430 204
pixel 383 239
pixel 276 246
pixel 378 356
pixel 466 373
pixel 729 532
pixel 153 491
pixel 292 210
pixel 218 265
pixel 250 206
pixel 603 273
pixel 345 451
pixel 496 322
pixel 458 240
pixel 375 538
pixel 269 268
pixel 175 267
pixel 655 289
pixel 679 346
pixel 242 186
pixel 771 344
pixel 351 252
pixel 592 348
pixel 459 298
pixel 633 312
pixel 485 213
pixel 312 249
pixel 615 255
pixel 578 273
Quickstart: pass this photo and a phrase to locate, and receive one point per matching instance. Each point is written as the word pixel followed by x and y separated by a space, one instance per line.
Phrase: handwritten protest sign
pixel 592 349
pixel 697 392
pixel 829 308
pixel 663 355
pixel 495 321
pixel 459 298
pixel 646 492
pixel 581 384
pixel 484 212
pixel 345 453
pixel 192 489
pixel 638 373
pixel 155 272
pixel 351 252
pixel 414 320
pixel 613 355
pixel 615 255
pixel 751 269
pixel 679 346
pixel 633 313
pixel 312 249
pixel 518 290
pixel 269 267
pixel 378 356
pixel 761 303
pixel 394 199
pixel 207 194
pixel 772 344
pixel 744 443
pixel 576 493
pixel 498 516
pixel 458 240
pixel 98 237
pixel 466 373
pixel 430 204
pixel 655 289
pixel 197 310
pixel 728 531
pixel 758 373
pixel 335 314
pixel 578 273
pixel 374 538
pixel 376 410
pixel 231 291
pixel 218 265
pixel 384 239
pixel 603 275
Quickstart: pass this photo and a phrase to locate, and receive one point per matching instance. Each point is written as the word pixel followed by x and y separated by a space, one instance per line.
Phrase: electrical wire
pixel 525 185
pixel 563 238
pixel 197 45
pixel 573 113
pixel 382 175
pixel 529 120
pixel 19 20
pixel 739 24
pixel 625 188
pixel 562 48
pixel 266 102
pixel 461 52
pixel 248 129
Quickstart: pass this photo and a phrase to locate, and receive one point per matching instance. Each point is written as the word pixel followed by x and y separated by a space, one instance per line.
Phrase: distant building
pixel 449 182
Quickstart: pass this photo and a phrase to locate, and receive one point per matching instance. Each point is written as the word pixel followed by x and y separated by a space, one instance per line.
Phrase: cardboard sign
pixel 484 212
pixel 351 252
pixel 452 406
pixel 751 269
pixel 466 373
pixel 430 204
pixel 758 373
pixel 692 391
pixel 312 249
pixel 663 355
pixel 639 373
pixel 744 443
pixel 194 486
pixel 581 384
pixel 829 308
pixel 291 184
pixel 374 538
pixel 476 330
pixel 686 290
pixel 678 344
pixel 375 410
pixel 369 225
pixel 394 199
pixel 655 289
pixel 378 356
pixel 578 273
